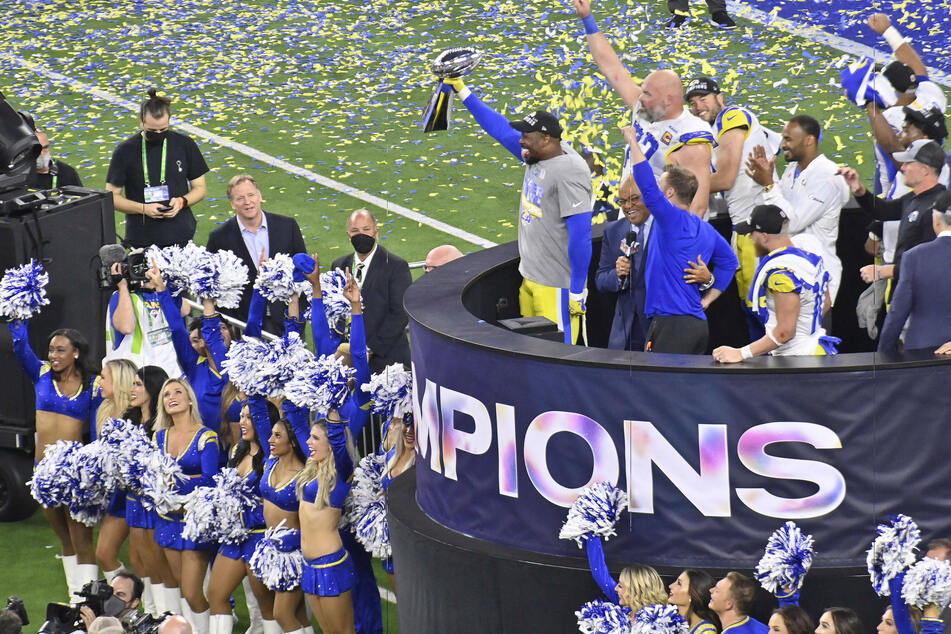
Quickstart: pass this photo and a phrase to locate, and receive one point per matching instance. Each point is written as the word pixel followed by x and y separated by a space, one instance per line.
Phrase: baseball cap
pixel 930 122
pixel 702 86
pixel 765 219
pixel 540 121
pixel 901 76
pixel 923 151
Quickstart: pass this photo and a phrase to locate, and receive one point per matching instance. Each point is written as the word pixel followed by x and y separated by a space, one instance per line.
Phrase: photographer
pixel 136 328
pixel 162 174
pixel 126 587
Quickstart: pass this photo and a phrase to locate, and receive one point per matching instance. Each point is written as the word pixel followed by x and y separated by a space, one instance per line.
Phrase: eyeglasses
pixel 633 200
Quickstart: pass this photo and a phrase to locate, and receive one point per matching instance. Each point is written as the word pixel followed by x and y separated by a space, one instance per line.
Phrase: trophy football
pixel 451 63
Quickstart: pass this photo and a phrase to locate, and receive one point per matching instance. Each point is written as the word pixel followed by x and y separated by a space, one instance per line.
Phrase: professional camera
pixel 146 623
pixel 15 605
pixel 133 267
pixel 62 618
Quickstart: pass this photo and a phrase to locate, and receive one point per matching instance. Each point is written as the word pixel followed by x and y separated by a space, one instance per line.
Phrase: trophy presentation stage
pixel 714 458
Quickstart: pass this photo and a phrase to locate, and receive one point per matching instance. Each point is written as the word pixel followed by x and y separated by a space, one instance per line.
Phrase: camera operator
pixel 135 324
pixel 128 588
pixel 162 174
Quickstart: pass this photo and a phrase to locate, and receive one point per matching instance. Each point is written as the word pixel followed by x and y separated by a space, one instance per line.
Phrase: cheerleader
pixel 116 391
pixel 199 357
pixel 690 592
pixel 180 434
pixel 399 459
pixel 232 564
pixel 66 395
pixel 161 593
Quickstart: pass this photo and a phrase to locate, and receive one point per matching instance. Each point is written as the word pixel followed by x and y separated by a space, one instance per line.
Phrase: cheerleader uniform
pixel 81 405
pixel 207 382
pixel 200 458
pixel 333 574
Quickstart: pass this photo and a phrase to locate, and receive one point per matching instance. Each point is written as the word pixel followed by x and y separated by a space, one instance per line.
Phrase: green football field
pixel 336 88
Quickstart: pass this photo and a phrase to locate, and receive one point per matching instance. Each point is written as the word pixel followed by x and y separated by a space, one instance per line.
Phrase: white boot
pixel 69 568
pixel 202 621
pixel 111 574
pixel 86 573
pixel 158 598
pixel 148 601
pixel 173 600
pixel 221 624
pixel 254 610
pixel 189 615
pixel 300 631
pixel 271 626
pixel 308 630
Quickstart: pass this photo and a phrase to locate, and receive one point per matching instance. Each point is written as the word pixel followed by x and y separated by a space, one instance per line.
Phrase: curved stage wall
pixel 510 428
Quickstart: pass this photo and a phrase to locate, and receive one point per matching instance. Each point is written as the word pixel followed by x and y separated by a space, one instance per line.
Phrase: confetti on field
pixel 338 86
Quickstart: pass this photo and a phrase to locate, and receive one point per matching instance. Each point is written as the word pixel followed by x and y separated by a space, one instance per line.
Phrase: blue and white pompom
pixel 366 507
pixel 54 477
pixel 275 280
pixel 659 619
pixel 127 446
pixel 392 391
pixel 23 291
pixel 595 512
pixel 786 561
pixel 176 264
pixel 336 304
pixel 603 617
pixel 928 581
pixel 160 483
pixel 95 484
pixel 321 385
pixel 214 513
pixel 278 569
pixel 220 277
pixel 244 364
pixel 892 551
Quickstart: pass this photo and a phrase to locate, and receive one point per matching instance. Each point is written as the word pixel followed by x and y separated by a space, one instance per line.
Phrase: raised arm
pixel 299 418
pixel 187 357
pixel 257 408
pixel 325 341
pixel 211 333
pixel 358 407
pixel 21 348
pixel 904 53
pixel 599 568
pixel 604 56
pixel 696 158
pixel 880 208
pixel 255 315
pixel 491 121
pixel 337 434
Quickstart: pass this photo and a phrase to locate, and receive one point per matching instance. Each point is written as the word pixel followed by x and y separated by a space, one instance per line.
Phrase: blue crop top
pixel 254 516
pixel 284 496
pixel 49 398
pixel 200 458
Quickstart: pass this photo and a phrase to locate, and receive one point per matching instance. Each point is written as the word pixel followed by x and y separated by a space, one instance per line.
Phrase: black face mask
pixel 362 243
pixel 154 138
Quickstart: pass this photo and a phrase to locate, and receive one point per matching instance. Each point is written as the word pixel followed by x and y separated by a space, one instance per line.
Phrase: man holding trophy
pixel 554 229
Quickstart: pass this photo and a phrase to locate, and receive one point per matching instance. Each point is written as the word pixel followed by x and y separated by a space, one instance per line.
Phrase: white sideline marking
pixel 815 34
pixel 256 154
pixel 387 595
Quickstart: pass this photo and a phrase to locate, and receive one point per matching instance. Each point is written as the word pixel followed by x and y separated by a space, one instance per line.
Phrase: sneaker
pixel 677 20
pixel 723 20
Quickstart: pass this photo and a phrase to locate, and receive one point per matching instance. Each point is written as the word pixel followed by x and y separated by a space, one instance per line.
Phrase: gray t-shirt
pixel 552 190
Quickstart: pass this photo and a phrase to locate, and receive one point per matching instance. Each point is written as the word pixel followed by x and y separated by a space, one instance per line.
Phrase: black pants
pixel 681 6
pixel 679 334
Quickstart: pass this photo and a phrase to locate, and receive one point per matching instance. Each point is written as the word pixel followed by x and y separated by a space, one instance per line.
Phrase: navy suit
pixel 283 236
pixel 629 328
pixel 924 296
pixel 385 320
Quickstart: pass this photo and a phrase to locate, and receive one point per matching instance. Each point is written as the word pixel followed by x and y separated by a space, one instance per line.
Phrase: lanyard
pixel 145 165
pixel 55 179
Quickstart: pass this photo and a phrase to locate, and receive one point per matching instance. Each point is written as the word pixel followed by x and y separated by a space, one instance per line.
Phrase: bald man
pixel 383 277
pixel 669 134
pixel 175 625
pixel 440 255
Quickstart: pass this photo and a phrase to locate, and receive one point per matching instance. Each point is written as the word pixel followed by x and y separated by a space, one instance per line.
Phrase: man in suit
pixel 254 235
pixel 924 289
pixel 623 273
pixel 383 278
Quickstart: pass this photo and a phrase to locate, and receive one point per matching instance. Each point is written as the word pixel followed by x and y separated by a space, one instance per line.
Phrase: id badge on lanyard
pixel 157 193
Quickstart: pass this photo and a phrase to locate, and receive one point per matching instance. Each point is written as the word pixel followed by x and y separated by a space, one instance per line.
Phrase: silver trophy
pixel 453 62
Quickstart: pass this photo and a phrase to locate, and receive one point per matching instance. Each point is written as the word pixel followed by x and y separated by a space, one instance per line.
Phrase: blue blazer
pixel 629 328
pixel 923 295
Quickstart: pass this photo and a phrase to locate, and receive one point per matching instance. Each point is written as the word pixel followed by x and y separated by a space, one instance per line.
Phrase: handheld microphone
pixel 629 248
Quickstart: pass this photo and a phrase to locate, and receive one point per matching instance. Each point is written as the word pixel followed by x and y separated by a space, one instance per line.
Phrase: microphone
pixel 629 248
pixel 109 254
